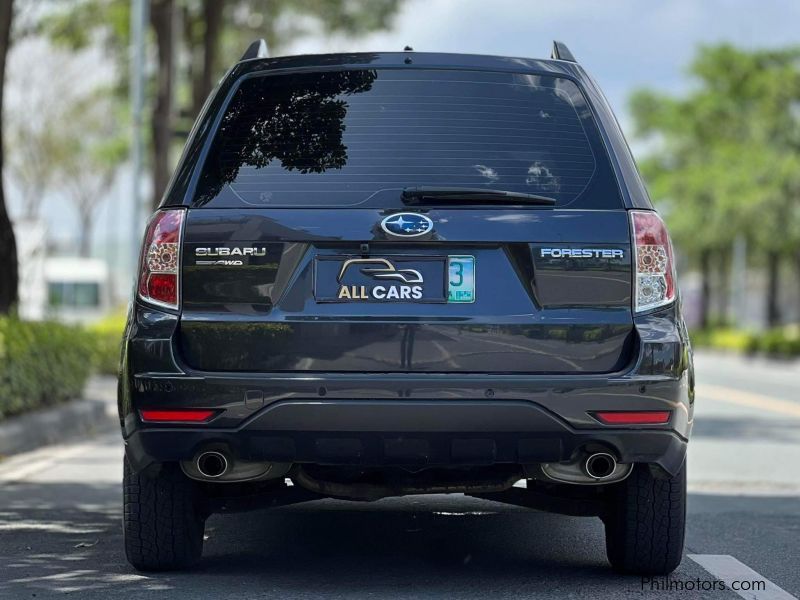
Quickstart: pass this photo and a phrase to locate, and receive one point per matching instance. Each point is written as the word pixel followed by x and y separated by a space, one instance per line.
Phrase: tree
pixel 202 29
pixel 34 121
pixel 726 159
pixel 162 21
pixel 685 176
pixel 9 274
pixel 759 92
pixel 211 28
pixel 97 148
pixel 30 165
pixel 215 27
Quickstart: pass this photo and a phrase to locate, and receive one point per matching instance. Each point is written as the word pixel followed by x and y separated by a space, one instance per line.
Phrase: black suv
pixel 379 274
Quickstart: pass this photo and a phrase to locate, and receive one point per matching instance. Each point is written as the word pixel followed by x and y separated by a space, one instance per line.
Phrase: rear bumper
pixel 408 433
pixel 420 419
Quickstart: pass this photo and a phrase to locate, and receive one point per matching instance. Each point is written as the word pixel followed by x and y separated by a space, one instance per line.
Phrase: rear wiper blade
pixel 458 195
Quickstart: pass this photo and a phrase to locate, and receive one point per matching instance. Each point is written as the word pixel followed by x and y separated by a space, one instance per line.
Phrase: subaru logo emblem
pixel 407 225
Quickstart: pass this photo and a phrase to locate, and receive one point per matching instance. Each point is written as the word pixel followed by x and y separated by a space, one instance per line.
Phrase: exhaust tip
pixel 212 464
pixel 600 465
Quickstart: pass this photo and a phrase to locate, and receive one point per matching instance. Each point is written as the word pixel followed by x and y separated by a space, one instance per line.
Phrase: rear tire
pixel 163 523
pixel 645 522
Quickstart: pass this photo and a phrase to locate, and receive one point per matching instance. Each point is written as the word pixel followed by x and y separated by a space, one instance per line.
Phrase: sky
pixel 625 44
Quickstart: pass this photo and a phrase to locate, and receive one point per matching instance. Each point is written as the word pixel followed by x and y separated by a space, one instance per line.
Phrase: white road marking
pixel 722 393
pixel 20 467
pixel 743 487
pixel 729 570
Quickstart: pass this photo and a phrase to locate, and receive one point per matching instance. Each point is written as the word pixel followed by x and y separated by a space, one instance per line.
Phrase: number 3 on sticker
pixel 461 279
pixel 456 274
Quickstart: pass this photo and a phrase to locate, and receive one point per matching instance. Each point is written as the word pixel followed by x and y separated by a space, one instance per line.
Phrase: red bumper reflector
pixel 646 417
pixel 181 416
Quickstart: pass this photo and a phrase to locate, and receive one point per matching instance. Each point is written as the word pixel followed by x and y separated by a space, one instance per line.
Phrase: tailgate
pixel 509 290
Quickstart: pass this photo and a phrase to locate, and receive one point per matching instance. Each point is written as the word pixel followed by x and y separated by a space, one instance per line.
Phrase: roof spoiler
pixel 258 49
pixel 561 52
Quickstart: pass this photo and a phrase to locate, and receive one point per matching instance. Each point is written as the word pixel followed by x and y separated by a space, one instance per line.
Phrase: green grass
pixel 781 341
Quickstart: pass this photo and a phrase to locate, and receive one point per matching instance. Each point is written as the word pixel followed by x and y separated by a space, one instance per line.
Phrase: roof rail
pixel 561 52
pixel 258 49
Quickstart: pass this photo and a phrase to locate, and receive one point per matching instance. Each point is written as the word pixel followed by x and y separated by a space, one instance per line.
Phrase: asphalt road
pixel 60 531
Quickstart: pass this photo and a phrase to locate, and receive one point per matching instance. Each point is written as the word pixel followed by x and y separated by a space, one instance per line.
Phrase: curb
pixel 51 425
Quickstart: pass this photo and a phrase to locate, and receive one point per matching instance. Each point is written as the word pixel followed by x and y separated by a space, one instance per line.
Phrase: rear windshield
pixel 356 138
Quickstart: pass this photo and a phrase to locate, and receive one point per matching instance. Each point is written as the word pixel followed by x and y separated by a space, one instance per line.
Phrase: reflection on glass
pixel 300 125
pixel 331 139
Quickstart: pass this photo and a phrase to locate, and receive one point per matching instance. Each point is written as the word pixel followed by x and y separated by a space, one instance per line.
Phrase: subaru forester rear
pixel 404 273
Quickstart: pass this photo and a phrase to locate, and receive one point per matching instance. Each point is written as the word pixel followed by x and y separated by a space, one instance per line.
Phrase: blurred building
pixel 65 288
pixel 78 289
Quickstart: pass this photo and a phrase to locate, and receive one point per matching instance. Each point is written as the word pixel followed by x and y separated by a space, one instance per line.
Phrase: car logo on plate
pixel 407 225
pixel 381 269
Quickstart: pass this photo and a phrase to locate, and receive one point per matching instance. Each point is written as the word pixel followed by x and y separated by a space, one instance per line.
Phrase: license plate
pixel 387 279
pixel 461 279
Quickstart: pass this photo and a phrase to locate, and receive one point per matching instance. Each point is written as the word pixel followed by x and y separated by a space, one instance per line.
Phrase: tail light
pixel 655 266
pixel 176 416
pixel 640 417
pixel 159 271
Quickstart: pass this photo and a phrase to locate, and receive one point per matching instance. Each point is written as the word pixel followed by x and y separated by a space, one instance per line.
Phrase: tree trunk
pixel 9 273
pixel 723 290
pixel 191 45
pixel 162 19
pixel 204 78
pixel 85 240
pixel 705 287
pixel 773 281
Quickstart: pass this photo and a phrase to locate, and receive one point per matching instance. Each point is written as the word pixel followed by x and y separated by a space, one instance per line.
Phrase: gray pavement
pixel 60 532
